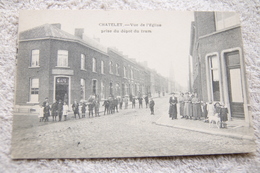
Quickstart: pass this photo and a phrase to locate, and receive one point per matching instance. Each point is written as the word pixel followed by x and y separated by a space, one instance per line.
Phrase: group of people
pixel 61 109
pixel 191 107
pixel 111 105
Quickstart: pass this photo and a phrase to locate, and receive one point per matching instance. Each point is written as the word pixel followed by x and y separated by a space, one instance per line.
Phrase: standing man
pixel 106 104
pixel 151 105
pixel 46 111
pixel 60 109
pixel 140 99
pixel 116 104
pixel 133 102
pixel 54 109
pixel 83 109
pixel 146 100
pixel 75 108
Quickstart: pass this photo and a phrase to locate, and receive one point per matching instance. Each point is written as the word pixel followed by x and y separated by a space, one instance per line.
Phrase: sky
pixel 163 37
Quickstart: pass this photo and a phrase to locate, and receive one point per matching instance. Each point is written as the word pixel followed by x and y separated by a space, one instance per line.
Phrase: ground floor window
pixel 94 86
pixel 82 88
pixel 111 88
pixel 117 90
pixel 34 90
pixel 214 77
pixel 102 91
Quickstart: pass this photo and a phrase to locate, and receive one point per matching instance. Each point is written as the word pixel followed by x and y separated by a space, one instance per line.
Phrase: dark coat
pixel 173 108
pixel 75 107
pixel 60 107
pixel 83 108
pixel 46 111
pixel 151 104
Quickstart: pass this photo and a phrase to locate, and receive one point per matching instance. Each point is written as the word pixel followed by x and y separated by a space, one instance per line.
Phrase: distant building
pixel 217 62
pixel 55 64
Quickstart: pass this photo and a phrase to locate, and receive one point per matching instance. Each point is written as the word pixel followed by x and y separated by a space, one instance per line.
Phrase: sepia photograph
pixel 116 84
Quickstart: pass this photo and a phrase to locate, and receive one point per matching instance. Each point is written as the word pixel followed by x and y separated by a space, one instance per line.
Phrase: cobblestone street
pixel 129 133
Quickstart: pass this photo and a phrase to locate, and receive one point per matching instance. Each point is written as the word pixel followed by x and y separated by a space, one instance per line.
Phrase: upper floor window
pixel 124 71
pixel 94 65
pixel 35 58
pixel 132 74
pixel 82 62
pixel 226 19
pixel 102 67
pixel 62 58
pixel 117 69
pixel 110 67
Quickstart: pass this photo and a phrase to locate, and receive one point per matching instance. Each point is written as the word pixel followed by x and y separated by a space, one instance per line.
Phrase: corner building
pixel 55 64
pixel 217 62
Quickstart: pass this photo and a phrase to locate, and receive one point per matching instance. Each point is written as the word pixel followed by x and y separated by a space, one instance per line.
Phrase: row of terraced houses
pixel 55 64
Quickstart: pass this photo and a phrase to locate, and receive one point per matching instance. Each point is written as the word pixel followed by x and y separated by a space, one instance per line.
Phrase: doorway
pixel 62 89
pixel 235 89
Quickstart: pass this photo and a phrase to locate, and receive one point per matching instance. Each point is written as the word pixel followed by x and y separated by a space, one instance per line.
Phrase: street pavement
pixel 129 133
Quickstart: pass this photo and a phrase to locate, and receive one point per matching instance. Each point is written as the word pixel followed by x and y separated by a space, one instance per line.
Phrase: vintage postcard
pixel 109 84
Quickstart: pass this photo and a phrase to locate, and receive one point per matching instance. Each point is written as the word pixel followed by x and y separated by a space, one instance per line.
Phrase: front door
pixel 62 89
pixel 235 89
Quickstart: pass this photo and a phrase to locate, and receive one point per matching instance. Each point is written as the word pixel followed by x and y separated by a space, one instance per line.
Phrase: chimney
pixel 57 25
pixel 79 32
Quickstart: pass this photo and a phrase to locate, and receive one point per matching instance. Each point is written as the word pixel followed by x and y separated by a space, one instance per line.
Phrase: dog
pixel 214 118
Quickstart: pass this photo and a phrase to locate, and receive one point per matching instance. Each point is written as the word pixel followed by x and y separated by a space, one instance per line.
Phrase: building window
pixel 102 67
pixel 117 69
pixel 124 72
pixel 34 90
pixel 102 93
pixel 214 77
pixel 35 58
pixel 94 86
pixel 82 88
pixel 62 58
pixel 226 19
pixel 110 67
pixel 117 92
pixel 111 88
pixel 132 74
pixel 94 65
pixel 82 62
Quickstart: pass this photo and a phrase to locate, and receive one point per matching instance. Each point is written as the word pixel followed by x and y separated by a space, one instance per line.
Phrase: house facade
pixel 55 64
pixel 217 65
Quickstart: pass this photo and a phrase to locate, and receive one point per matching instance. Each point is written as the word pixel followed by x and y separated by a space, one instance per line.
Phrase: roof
pixel 51 31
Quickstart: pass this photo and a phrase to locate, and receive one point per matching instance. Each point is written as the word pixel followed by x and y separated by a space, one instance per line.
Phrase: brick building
pixel 217 70
pixel 55 64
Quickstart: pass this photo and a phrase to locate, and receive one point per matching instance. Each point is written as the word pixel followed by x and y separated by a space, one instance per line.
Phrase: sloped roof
pixel 51 31
pixel 46 30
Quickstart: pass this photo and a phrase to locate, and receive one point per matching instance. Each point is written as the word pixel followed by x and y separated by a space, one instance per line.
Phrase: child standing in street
pixel 151 105
pixel 65 111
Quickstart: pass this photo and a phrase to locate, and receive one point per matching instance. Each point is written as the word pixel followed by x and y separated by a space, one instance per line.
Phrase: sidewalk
pixel 235 129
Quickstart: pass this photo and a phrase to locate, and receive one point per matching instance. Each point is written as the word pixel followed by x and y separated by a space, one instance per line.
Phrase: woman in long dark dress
pixel 196 107
pixel 173 108
pixel 181 102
